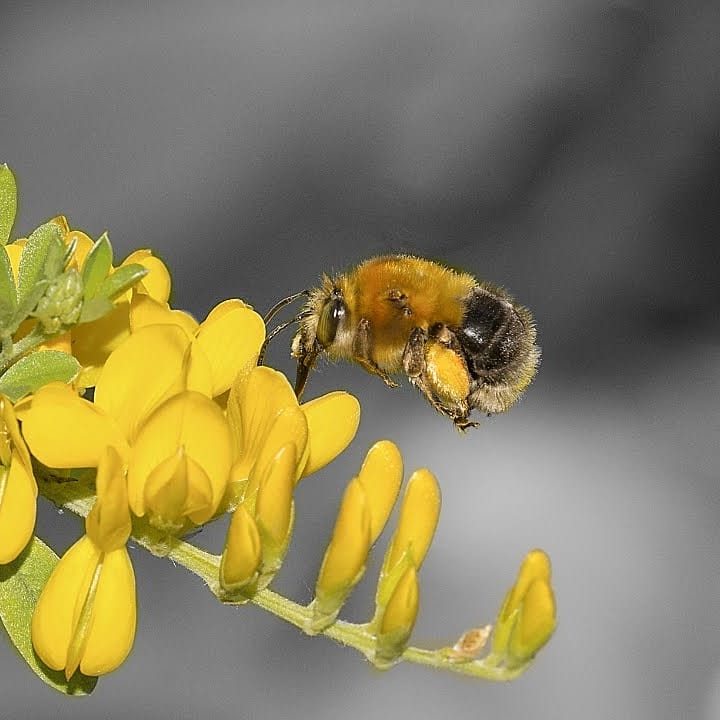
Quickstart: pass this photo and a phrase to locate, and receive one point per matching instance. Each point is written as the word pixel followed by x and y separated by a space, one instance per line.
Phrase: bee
pixel 465 344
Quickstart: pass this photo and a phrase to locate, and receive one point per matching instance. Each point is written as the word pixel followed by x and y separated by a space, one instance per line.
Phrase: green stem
pixel 74 496
pixel 37 336
pixel 206 566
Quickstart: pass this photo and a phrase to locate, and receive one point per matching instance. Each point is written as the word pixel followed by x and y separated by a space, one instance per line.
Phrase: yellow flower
pixel 418 519
pixel 179 463
pixel 344 561
pixel 175 442
pixel 18 490
pixel 264 415
pixel 397 594
pixel 86 615
pixel 527 618
pixel 260 529
pixel 364 510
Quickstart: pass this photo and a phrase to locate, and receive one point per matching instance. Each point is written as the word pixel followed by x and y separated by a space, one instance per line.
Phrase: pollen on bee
pixel 446 372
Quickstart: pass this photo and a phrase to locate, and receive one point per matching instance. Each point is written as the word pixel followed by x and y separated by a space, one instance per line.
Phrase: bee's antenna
pixel 275 309
pixel 281 327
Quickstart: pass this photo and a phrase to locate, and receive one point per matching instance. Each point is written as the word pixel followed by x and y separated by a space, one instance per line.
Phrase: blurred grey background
pixel 569 151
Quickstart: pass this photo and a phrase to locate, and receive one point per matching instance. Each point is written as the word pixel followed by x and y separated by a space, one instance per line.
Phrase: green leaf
pixel 28 304
pixel 8 292
pixel 21 582
pixel 97 266
pixel 94 308
pixel 8 203
pixel 35 256
pixel 55 260
pixel 121 280
pixel 38 368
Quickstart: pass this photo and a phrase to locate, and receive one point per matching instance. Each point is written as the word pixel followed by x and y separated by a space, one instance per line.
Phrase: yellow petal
pixel 93 342
pixel 63 343
pixel 333 420
pixel 18 492
pixel 535 566
pixel 398 619
pixel 114 616
pixel 145 310
pixel 535 623
pixel 273 508
pixel 345 557
pixel 381 476
pixel 61 222
pixel 108 522
pixel 177 488
pixel 12 433
pixel 401 611
pixel 14 252
pixel 141 373
pixel 231 338
pixel 255 401
pixel 289 427
pixel 418 519
pixel 199 372
pixel 54 619
pixel 191 421
pixel 64 431
pixel 242 553
pixel 157 282
pixel 83 246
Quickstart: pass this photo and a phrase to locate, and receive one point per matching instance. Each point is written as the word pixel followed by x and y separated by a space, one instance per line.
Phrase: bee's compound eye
pixel 332 313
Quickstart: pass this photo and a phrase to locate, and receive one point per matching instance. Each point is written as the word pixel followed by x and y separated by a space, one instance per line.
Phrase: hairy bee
pixel 464 344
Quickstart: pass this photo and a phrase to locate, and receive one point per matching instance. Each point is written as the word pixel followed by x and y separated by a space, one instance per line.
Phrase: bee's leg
pixel 415 364
pixel 306 353
pixel 414 354
pixel 415 367
pixel 362 345
pixel 304 366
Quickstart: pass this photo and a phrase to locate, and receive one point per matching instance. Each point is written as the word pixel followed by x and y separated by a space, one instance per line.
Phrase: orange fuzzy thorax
pixel 433 293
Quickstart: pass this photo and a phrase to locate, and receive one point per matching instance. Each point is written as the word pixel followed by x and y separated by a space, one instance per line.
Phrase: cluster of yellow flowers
pixel 184 427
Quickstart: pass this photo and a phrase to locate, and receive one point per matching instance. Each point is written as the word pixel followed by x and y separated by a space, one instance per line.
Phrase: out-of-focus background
pixel 569 151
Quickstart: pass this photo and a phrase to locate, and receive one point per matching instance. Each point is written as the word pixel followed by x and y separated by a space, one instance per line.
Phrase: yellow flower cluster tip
pixel 182 427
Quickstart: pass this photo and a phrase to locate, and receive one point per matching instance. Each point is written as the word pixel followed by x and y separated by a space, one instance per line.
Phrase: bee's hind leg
pixel 415 364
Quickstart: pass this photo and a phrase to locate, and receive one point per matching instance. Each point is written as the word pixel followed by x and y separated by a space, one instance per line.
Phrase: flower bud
pixel 61 304
pixel 345 557
pixel 418 519
pixel 241 555
pixel 526 620
pixel 398 619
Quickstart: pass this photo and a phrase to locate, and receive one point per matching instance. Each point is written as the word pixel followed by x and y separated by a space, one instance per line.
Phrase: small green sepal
pixel 8 203
pixel 97 266
pixel 121 280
